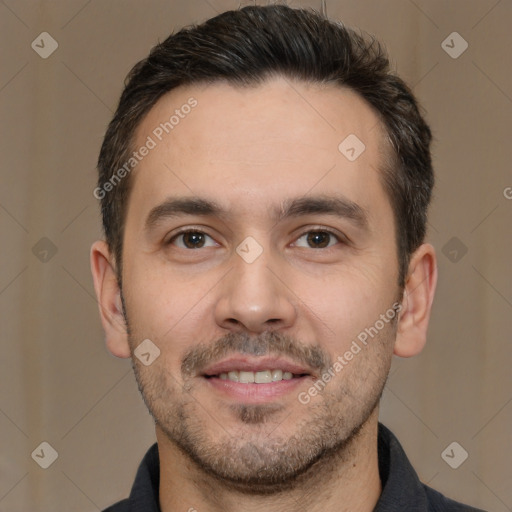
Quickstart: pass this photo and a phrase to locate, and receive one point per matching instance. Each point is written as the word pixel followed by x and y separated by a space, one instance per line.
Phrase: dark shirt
pixel 401 488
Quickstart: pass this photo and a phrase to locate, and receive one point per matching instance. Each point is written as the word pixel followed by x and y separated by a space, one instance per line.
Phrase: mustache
pixel 268 343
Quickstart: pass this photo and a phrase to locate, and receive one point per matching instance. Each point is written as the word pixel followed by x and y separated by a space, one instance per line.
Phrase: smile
pixel 255 380
pixel 260 377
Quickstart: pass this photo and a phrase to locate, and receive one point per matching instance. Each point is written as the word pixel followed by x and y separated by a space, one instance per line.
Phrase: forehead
pixel 263 143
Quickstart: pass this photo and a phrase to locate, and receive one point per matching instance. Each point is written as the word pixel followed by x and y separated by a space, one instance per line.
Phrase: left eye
pixel 192 240
pixel 318 239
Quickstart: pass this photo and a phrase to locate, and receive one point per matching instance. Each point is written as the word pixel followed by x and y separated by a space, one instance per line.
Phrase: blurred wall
pixel 59 385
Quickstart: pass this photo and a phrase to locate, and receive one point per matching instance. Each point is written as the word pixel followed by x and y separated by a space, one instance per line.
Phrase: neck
pixel 340 482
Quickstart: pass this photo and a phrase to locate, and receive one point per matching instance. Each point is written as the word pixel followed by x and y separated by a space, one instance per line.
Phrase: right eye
pixel 191 239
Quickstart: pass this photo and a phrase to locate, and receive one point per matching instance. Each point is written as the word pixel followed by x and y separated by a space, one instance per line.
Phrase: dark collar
pixel 144 495
pixel 401 487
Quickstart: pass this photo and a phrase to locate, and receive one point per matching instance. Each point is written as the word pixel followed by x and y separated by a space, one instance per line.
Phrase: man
pixel 264 186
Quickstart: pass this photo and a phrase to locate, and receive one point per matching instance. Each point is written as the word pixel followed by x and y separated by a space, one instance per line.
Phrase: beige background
pixel 57 382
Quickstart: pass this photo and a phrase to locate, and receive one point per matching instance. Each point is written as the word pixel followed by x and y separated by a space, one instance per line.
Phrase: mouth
pixel 255 380
pixel 259 377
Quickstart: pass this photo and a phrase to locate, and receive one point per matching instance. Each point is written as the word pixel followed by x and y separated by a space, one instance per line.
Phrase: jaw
pixel 261 476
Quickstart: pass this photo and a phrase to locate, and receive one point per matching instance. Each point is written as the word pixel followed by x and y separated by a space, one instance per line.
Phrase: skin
pixel 302 299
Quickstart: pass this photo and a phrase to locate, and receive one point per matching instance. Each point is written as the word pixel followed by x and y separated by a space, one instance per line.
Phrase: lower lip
pixel 255 393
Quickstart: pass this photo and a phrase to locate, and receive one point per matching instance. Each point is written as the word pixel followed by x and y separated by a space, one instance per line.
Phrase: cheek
pixel 161 305
pixel 345 304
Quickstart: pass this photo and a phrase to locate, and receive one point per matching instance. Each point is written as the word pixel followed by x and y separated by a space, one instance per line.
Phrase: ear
pixel 109 299
pixel 417 300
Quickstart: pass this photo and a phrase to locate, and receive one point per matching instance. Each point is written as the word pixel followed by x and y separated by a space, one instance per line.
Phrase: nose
pixel 254 297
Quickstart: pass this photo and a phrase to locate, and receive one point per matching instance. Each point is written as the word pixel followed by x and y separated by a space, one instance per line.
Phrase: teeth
pixel 277 375
pixel 246 377
pixel 233 376
pixel 263 377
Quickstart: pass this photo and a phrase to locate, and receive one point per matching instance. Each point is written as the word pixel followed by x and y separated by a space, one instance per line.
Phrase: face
pixel 256 249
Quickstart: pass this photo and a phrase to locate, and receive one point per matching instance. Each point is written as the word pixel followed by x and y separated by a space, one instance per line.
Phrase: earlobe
pixel 109 299
pixel 417 302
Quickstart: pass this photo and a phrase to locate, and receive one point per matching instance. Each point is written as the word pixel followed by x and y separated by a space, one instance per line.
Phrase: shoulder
pixel 402 489
pixel 440 503
pixel 144 492
pixel 120 506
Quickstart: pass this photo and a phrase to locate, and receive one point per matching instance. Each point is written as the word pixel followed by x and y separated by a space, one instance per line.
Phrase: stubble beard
pixel 262 459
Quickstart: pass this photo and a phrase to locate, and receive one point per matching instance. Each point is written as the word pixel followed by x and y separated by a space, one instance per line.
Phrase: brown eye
pixel 191 240
pixel 318 239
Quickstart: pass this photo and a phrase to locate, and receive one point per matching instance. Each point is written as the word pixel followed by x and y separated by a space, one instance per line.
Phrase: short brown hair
pixel 245 47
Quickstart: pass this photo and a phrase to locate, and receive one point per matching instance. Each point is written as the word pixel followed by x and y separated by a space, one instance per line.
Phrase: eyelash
pixel 318 229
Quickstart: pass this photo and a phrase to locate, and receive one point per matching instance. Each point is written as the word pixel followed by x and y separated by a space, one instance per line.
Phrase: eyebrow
pixel 337 206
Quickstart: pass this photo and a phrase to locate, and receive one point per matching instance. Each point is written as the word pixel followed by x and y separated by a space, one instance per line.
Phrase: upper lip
pixel 255 364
